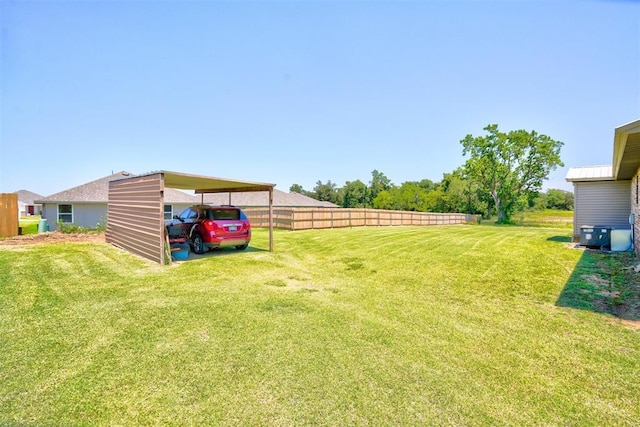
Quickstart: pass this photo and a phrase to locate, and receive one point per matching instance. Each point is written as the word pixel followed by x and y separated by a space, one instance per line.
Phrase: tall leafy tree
pixel 412 197
pixel 326 192
pixel 379 182
pixel 509 166
pixel 408 197
pixel 454 193
pixel 427 184
pixel 297 188
pixel 559 199
pixel 384 200
pixel 355 194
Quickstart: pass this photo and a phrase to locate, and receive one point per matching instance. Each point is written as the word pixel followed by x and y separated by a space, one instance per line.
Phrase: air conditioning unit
pixel 595 236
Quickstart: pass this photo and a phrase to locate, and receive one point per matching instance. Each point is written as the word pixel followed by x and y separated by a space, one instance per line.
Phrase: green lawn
pixel 29 224
pixel 458 325
pixel 545 218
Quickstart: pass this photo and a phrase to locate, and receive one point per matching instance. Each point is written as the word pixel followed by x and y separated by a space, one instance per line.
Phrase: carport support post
pixel 271 219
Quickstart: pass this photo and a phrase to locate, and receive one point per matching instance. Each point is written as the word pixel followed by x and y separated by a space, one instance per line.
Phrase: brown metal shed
pixel 135 212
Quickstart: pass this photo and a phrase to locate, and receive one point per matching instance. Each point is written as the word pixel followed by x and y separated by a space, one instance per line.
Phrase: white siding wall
pixel 601 203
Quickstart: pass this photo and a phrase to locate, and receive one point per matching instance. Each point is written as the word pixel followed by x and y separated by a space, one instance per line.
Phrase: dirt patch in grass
pixel 617 287
pixel 605 282
pixel 53 237
pixel 630 324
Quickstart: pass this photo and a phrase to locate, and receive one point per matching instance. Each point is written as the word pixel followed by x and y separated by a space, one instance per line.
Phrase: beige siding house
pixel 608 195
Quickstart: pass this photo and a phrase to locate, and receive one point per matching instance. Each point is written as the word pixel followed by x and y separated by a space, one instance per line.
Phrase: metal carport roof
pixel 209 184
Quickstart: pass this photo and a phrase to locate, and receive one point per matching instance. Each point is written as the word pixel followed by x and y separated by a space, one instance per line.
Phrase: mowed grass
pixel 29 224
pixel 449 325
pixel 545 218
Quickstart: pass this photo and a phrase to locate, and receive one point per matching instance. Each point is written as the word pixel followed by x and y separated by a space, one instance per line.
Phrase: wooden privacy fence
pixel 8 214
pixel 312 218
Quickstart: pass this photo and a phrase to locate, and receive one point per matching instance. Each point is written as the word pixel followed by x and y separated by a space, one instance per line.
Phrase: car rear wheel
pixel 197 243
pixel 242 247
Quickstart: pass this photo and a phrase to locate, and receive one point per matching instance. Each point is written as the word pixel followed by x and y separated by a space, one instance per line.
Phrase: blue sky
pixel 300 91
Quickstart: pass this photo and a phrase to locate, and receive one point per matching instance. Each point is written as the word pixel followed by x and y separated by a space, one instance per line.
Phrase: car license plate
pixel 233 228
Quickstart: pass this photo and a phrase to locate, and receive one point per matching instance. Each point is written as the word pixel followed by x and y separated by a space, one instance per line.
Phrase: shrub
pixel 69 228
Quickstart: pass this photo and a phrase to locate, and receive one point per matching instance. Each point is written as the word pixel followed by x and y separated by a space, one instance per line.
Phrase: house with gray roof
pixel 608 195
pixel 86 204
pixel 26 203
pixel 255 199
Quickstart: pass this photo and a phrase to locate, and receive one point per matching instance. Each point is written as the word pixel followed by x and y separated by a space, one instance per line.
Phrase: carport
pixel 135 212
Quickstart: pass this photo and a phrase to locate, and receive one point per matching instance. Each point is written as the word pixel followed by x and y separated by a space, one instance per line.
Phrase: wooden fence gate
pixel 8 214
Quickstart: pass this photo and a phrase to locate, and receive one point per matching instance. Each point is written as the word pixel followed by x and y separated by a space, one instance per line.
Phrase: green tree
pixel 297 188
pixel 509 166
pixel 326 192
pixel 355 194
pixel 427 184
pixel 559 199
pixel 384 200
pixel 379 182
pixel 455 193
pixel 539 203
pixel 412 197
pixel 436 200
pixel 408 197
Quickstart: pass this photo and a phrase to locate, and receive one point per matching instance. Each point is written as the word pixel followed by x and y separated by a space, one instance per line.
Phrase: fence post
pixel 293 219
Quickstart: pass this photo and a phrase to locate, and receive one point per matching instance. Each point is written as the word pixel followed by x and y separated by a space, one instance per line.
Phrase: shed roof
pixel 209 184
pixel 590 173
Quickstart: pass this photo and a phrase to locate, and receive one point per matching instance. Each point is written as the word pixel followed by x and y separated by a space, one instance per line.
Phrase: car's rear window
pixel 232 214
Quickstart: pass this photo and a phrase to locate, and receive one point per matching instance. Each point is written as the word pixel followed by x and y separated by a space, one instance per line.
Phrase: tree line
pixel 502 175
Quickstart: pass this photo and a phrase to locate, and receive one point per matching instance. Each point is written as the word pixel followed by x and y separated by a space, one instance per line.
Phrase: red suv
pixel 207 227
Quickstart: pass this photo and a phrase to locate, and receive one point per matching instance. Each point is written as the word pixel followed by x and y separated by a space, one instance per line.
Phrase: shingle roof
pixel 98 192
pixel 255 199
pixel 27 197
pixel 590 173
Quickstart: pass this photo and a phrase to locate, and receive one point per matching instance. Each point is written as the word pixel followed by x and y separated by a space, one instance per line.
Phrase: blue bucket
pixel 179 252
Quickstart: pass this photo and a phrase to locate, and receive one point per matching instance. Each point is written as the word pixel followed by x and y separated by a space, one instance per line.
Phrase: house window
pixel 65 213
pixel 168 211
